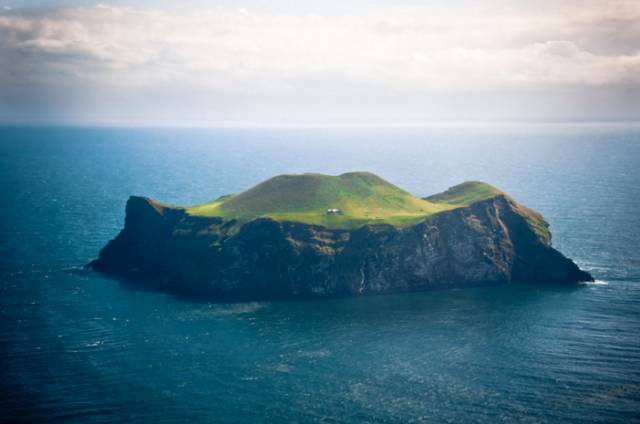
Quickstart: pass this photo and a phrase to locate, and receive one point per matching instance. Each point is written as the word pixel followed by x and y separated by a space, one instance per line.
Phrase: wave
pixel 219 310
pixel 596 283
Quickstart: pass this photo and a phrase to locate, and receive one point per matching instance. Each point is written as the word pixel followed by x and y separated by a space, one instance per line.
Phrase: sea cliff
pixel 491 241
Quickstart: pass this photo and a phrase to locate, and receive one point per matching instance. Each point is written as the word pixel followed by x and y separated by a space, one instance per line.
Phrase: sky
pixel 332 62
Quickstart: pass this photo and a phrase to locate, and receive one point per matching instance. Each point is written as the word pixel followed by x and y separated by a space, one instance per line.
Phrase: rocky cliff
pixel 489 242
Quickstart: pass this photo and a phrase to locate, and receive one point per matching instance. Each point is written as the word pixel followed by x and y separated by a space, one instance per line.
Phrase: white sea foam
pixel 596 283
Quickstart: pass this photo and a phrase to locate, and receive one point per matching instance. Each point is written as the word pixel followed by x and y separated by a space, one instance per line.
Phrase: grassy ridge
pixel 471 192
pixel 361 197
pixel 465 194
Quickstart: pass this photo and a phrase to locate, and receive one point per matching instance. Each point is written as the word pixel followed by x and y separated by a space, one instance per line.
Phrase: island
pixel 312 236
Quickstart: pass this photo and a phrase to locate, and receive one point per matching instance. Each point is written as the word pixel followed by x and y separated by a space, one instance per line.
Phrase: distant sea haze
pixel 76 346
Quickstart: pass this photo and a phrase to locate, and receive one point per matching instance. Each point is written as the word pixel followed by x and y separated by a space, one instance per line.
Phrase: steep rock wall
pixel 490 242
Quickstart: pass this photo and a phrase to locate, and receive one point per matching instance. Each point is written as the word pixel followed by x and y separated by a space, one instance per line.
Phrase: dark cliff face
pixel 490 242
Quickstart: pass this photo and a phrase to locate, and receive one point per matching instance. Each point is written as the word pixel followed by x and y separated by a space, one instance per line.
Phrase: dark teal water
pixel 78 347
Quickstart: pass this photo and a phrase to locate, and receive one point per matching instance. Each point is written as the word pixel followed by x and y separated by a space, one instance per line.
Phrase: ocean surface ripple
pixel 76 346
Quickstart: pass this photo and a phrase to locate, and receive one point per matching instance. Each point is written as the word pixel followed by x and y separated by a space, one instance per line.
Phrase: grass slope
pixel 361 197
pixel 465 194
pixel 471 192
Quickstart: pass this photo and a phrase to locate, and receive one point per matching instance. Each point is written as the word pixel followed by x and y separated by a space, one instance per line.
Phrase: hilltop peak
pixel 340 201
pixel 465 193
pixel 348 200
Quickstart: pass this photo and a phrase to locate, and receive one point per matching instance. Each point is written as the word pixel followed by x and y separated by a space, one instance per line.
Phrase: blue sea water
pixel 79 347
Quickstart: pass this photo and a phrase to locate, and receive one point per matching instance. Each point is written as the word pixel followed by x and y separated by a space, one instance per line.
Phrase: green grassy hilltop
pixel 359 197
pixel 464 194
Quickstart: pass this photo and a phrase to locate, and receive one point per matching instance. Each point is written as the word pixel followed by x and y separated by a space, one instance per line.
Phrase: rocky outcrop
pixel 489 242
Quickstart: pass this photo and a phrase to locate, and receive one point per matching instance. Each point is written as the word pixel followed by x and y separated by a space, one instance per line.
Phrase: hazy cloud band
pixel 398 51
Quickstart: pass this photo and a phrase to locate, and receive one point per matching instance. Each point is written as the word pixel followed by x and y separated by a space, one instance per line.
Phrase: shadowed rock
pixel 485 239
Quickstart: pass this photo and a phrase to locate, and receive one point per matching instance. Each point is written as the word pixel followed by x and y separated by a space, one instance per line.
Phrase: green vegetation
pixel 360 197
pixel 471 192
pixel 465 194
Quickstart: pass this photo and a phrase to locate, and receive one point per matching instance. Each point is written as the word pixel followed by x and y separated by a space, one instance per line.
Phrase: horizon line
pixel 309 124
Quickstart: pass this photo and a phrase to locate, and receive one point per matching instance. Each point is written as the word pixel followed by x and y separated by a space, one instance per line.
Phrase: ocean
pixel 80 347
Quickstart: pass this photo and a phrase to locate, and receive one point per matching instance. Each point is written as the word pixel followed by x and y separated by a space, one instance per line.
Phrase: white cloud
pixel 398 50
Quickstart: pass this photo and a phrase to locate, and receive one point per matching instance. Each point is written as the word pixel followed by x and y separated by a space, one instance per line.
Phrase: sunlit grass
pixel 361 197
